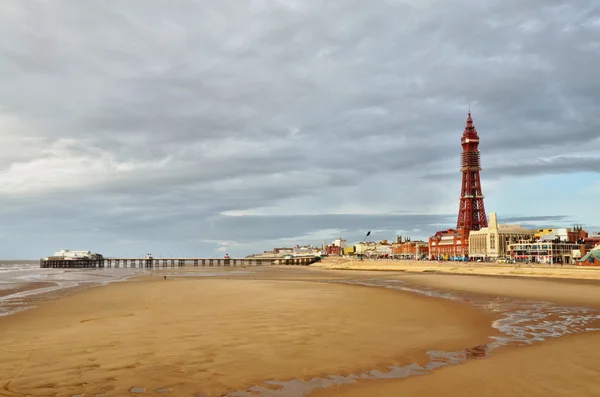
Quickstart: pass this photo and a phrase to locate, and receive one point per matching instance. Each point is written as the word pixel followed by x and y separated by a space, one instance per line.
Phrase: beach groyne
pixel 173 262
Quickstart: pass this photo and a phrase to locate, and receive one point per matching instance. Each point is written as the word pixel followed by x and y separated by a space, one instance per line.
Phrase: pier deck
pixel 172 262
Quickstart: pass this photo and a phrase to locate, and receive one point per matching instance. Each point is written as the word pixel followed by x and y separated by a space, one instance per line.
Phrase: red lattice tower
pixel 471 212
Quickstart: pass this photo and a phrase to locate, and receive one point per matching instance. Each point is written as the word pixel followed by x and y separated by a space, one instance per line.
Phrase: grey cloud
pixel 256 228
pixel 529 219
pixel 541 166
pixel 174 114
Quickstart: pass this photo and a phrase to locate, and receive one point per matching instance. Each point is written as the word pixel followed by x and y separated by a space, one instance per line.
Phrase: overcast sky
pixel 203 127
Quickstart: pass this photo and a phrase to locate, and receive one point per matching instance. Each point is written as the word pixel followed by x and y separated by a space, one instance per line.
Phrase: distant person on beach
pixel 165 277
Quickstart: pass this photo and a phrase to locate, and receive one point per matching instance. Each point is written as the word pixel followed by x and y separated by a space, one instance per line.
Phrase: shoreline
pixel 24 286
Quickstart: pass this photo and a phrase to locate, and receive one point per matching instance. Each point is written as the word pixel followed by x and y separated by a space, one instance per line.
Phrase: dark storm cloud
pixel 144 119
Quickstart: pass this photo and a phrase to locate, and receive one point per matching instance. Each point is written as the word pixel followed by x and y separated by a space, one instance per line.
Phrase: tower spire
pixel 471 211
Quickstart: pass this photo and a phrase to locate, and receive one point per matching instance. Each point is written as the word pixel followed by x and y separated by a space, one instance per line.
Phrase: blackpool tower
pixel 471 212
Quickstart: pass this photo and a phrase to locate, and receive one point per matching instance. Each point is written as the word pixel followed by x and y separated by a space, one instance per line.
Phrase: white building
pixel 68 254
pixel 549 252
pixel 363 248
pixel 552 234
pixel 339 242
pixel 306 251
pixel 383 250
pixel 492 242
pixel 373 249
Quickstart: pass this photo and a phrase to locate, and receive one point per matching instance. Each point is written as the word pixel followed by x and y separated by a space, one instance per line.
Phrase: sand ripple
pixel 521 322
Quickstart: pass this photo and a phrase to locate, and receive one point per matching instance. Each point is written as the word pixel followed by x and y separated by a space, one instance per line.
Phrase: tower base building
pixel 449 245
pixel 492 242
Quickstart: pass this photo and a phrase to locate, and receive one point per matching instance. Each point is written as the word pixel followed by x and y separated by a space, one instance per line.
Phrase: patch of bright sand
pixel 216 335
pixel 473 268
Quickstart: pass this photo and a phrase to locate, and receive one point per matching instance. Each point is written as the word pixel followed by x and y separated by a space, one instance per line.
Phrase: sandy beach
pixel 471 268
pixel 216 336
pixel 567 366
pixel 216 332
pixel 563 367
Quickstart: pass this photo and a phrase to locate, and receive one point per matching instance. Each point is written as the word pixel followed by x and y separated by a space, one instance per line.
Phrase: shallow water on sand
pixel 24 283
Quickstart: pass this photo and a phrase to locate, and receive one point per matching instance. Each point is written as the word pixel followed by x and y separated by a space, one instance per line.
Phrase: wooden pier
pixel 152 263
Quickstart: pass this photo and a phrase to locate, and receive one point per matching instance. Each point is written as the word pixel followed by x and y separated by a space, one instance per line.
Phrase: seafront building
pixel 305 251
pixel 407 249
pixel 591 241
pixel 373 249
pixel 592 258
pixel 513 242
pixel 575 235
pixel 449 245
pixel 336 248
pixel 333 250
pixel 495 242
pixel 546 252
pixel 491 243
pixel 401 249
pixel 551 234
pixel 66 254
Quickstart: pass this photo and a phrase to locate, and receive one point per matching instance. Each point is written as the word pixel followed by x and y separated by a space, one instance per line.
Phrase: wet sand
pixel 14 288
pixel 566 367
pixel 569 292
pixel 24 284
pixel 217 335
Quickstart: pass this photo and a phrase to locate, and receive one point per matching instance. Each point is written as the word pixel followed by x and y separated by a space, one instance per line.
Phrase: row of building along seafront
pixel 494 243
pixel 507 242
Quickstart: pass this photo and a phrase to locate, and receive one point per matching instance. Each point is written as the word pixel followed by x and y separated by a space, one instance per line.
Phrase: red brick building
pixel 591 241
pixel 410 249
pixel 577 234
pixel 333 250
pixel 592 258
pixel 448 244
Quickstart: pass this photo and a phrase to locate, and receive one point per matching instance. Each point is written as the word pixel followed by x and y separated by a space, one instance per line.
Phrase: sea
pixel 23 284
